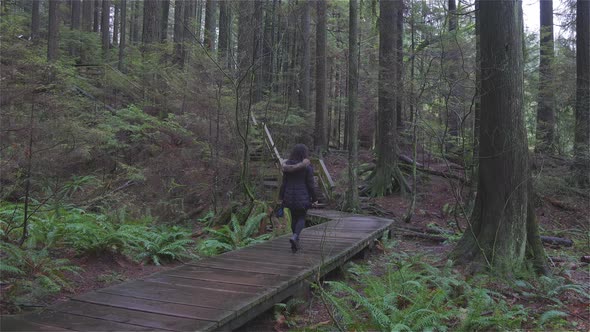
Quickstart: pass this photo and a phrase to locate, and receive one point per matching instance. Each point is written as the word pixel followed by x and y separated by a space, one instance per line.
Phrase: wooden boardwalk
pixel 217 293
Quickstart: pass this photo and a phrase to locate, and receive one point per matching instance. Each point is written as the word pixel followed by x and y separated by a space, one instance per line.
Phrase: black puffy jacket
pixel 297 190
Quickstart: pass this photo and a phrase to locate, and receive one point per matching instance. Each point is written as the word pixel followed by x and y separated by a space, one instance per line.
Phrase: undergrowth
pixel 412 295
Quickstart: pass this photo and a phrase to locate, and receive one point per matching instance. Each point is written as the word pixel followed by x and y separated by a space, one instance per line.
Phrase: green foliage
pixel 31 273
pixel 415 296
pixel 285 312
pixel 94 234
pixel 165 243
pixel 234 235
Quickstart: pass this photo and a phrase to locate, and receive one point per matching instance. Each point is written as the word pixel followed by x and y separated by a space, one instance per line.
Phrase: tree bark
pixel 387 178
pixel 399 72
pixel 35 20
pixel 320 138
pixel 178 30
pixel 245 36
pixel 53 31
pixel 210 24
pixel 187 32
pixel 151 22
pixel 453 109
pixel 105 26
pixel 164 27
pixel 87 8
pixel 96 13
pixel 503 232
pixel 134 35
pixel 76 12
pixel 304 95
pixel 75 19
pixel 116 23
pixel 582 127
pixel 352 199
pixel 123 43
pixel 224 32
pixel 545 105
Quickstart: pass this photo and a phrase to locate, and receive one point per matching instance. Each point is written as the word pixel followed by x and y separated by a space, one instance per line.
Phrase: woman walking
pixel 297 190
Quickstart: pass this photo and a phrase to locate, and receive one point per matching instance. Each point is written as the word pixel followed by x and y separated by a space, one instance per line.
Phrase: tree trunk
pixel 545 105
pixel 224 32
pixel 105 26
pixel 453 116
pixel 116 23
pixel 53 31
pixel 151 22
pixel 164 27
pixel 245 36
pixel 76 12
pixel 503 224
pixel 320 82
pixel 387 178
pixel 304 94
pixel 399 72
pixel 135 22
pixel 352 199
pixel 582 131
pixel 87 8
pixel 96 13
pixel 258 47
pixel 122 44
pixel 188 35
pixel 178 30
pixel 210 24
pixel 35 20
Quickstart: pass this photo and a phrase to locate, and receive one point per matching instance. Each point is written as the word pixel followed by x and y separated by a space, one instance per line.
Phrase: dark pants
pixel 297 221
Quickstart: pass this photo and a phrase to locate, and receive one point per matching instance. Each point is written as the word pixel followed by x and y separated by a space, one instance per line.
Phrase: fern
pixel 551 315
pixel 233 236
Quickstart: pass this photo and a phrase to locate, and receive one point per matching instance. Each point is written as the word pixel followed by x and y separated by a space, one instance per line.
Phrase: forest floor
pixel 561 212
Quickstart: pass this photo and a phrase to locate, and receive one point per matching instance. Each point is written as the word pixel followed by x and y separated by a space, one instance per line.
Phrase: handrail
pixel 324 178
pixel 270 144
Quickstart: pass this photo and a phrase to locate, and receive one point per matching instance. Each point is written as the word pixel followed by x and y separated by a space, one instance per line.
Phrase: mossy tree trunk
pixel 387 178
pixel 502 228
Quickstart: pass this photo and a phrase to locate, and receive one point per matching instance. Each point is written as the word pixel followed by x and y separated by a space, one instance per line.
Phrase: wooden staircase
pixel 263 150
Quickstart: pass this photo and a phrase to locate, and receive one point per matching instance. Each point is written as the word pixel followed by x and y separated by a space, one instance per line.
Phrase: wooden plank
pixel 80 323
pixel 154 306
pixel 228 275
pixel 266 259
pixel 17 323
pixel 246 267
pixel 180 294
pixel 133 317
pixel 204 284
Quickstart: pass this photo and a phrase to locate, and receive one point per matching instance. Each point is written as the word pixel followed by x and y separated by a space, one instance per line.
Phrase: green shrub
pixel 165 243
pixel 31 273
pixel 233 236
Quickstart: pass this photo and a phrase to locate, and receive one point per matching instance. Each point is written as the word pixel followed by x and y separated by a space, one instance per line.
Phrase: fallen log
pixel 409 160
pixel 438 173
pixel 425 236
pixel 557 241
pixel 585 259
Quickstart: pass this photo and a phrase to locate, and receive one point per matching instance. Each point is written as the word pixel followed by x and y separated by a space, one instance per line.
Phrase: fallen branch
pixel 425 236
pixel 557 241
pixel 558 204
pixel 438 173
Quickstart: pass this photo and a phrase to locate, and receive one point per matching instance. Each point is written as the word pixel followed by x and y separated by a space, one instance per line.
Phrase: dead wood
pixel 557 241
pixel 585 259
